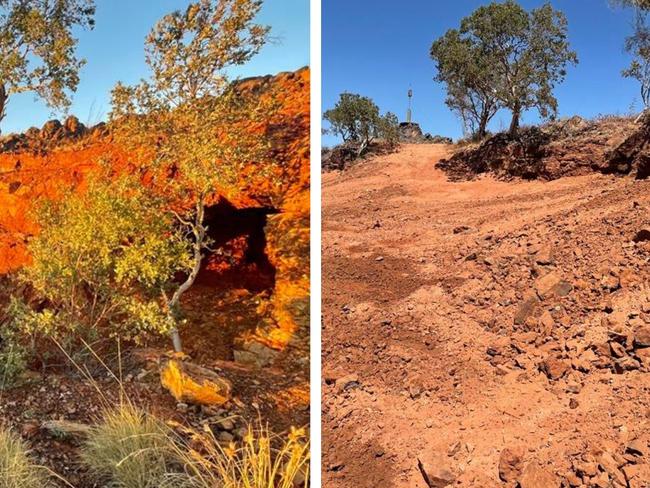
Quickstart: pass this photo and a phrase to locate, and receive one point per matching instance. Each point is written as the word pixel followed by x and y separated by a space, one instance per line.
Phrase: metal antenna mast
pixel 408 112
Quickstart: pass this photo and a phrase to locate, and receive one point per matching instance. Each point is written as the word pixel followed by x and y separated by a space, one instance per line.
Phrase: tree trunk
pixel 483 122
pixel 514 123
pixel 199 232
pixel 362 147
pixel 4 97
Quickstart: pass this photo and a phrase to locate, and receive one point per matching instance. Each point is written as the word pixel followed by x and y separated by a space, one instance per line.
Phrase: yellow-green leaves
pixel 37 48
pixel 189 51
pixel 102 261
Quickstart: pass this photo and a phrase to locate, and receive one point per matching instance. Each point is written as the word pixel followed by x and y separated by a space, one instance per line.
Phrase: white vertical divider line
pixel 315 244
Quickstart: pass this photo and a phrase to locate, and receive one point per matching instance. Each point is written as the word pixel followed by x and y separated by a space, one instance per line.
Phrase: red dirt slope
pixel 484 331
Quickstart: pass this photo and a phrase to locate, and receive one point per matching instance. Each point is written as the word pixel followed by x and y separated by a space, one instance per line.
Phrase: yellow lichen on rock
pixel 189 383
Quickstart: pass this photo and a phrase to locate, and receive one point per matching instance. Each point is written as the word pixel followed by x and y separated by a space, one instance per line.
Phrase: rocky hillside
pixel 485 333
pixel 569 147
pixel 53 134
pixel 263 225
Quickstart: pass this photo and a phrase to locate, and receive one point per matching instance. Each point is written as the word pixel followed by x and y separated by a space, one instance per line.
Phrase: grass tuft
pixel 16 469
pixel 128 449
pixel 261 460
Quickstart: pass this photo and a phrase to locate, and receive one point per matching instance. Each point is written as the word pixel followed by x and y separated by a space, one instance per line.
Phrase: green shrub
pixel 101 264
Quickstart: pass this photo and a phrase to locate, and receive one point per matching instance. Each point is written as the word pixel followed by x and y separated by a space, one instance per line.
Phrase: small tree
pixel 101 263
pixel 356 118
pixel 468 74
pixel 527 52
pixel 193 128
pixel 638 45
pixel 388 128
pixel 37 48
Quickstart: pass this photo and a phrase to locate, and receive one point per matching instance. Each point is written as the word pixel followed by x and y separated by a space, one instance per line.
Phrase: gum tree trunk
pixel 4 98
pixel 199 231
pixel 514 123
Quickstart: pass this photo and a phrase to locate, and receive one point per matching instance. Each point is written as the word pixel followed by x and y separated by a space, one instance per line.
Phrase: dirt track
pixel 422 357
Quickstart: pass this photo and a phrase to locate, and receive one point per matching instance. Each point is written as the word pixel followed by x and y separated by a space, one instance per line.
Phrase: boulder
pixel 552 285
pixel 73 127
pixel 526 309
pixel 554 367
pixel 254 353
pixel 642 336
pixel 545 255
pixel 51 129
pixel 642 235
pixel 193 384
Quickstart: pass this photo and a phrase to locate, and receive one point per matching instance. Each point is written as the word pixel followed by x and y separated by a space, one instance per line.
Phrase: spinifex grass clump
pixel 129 449
pixel 16 468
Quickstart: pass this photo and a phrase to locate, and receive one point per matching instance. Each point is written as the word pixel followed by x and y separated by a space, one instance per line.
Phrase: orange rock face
pixel 25 178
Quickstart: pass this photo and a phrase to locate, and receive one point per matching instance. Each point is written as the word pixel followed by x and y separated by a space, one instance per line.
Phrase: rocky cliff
pixel 264 224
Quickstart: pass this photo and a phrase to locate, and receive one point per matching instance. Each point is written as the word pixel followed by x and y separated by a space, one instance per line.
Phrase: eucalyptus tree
pixel 356 118
pixel 468 75
pixel 504 56
pixel 38 49
pixel 196 126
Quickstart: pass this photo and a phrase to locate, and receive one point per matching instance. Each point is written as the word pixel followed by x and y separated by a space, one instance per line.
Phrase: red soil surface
pixel 423 359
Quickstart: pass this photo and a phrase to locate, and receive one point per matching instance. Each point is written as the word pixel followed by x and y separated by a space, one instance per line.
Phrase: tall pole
pixel 408 112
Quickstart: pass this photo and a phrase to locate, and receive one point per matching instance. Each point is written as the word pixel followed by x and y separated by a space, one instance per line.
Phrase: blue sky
pixel 380 48
pixel 115 52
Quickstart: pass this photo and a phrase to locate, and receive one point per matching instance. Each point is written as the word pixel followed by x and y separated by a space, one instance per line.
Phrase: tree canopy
pixel 502 52
pixel 642 4
pixel 357 119
pixel 638 45
pixel 469 79
pixel 38 49
pixel 191 122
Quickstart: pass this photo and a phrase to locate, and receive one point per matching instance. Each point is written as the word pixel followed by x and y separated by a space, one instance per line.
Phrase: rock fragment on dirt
pixel 511 464
pixel 435 471
pixel 535 476
pixel 193 384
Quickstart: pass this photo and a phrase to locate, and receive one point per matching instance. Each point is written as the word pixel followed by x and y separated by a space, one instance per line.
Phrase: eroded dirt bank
pixel 493 330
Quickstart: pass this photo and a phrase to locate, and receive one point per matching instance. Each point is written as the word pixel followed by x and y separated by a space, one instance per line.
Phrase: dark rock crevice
pixel 239 258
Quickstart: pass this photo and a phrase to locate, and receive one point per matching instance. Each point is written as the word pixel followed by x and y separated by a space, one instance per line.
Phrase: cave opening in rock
pixel 238 258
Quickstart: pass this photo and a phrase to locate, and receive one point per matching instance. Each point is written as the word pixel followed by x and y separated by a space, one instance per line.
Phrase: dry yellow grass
pixel 16 468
